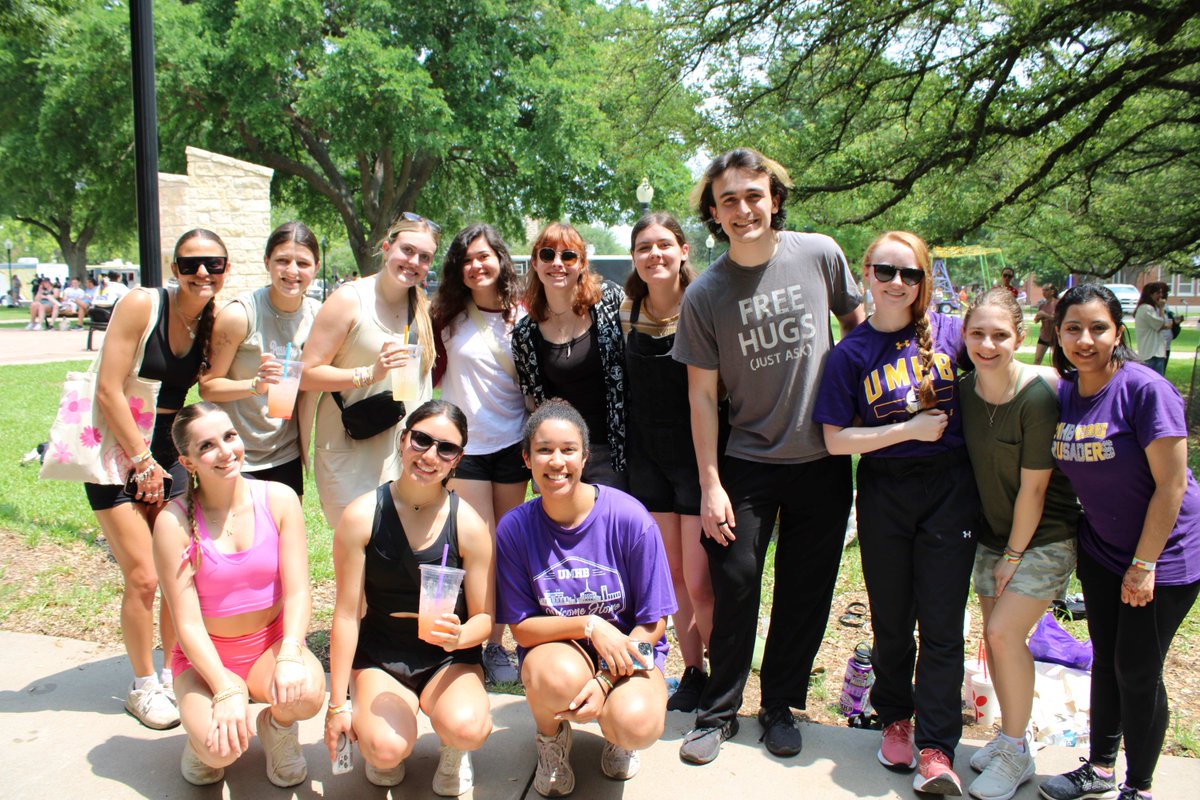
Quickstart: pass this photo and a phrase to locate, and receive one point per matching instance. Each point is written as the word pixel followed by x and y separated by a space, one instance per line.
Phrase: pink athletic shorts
pixel 238 653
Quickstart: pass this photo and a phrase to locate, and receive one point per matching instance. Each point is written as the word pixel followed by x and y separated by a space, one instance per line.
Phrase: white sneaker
pixel 195 771
pixel 1004 774
pixel 455 776
pixel 152 707
pixel 981 757
pixel 554 776
pixel 41 326
pixel 385 777
pixel 618 763
pixel 285 762
pixel 29 326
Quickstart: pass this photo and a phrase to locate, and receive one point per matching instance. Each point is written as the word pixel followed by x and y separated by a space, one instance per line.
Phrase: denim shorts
pixel 1043 573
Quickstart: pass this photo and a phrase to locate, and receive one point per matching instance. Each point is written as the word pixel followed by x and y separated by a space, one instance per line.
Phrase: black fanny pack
pixel 370 416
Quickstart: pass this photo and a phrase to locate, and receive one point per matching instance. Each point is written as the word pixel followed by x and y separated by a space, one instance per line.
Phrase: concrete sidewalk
pixel 66 734
pixel 19 346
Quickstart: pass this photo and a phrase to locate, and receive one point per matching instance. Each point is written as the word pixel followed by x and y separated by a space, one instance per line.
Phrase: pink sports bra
pixel 237 583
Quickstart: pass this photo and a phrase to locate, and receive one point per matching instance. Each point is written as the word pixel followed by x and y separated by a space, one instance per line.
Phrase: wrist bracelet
pixel 225 694
pixel 292 641
pixel 254 387
pixel 602 679
pixel 141 476
pixel 145 454
pixel 1013 559
pixel 287 659
pixel 344 708
pixel 1008 550
pixel 1148 566
pixel 589 627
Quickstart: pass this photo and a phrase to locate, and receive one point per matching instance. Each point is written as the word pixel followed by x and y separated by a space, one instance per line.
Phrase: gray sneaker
pixel 702 745
pixel 498 665
pixel 285 761
pixel 618 763
pixel 385 777
pixel 554 776
pixel 455 776
pixel 195 771
pixel 981 757
pixel 1079 784
pixel 152 706
pixel 1004 774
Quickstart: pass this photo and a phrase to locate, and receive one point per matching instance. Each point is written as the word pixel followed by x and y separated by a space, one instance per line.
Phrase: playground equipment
pixel 945 296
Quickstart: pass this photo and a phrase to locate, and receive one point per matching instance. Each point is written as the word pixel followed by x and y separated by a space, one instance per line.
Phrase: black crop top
pixel 177 374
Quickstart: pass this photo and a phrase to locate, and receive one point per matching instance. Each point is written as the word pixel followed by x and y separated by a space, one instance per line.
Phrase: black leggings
pixel 1130 645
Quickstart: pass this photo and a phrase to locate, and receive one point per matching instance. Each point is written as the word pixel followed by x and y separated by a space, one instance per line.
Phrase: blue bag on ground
pixel 1051 642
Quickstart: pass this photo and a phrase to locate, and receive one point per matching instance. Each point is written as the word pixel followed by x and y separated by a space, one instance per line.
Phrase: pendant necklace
pixel 1012 388
pixel 192 325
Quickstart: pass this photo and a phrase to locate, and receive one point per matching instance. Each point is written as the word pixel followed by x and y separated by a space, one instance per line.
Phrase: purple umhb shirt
pixel 612 565
pixel 871 379
pixel 1100 445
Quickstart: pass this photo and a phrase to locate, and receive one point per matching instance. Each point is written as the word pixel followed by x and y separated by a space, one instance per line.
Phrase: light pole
pixel 645 194
pixel 8 247
pixel 324 283
pixel 709 243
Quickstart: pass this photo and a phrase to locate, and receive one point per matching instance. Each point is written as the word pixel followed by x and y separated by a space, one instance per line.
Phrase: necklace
pixel 190 325
pixel 418 506
pixel 1004 399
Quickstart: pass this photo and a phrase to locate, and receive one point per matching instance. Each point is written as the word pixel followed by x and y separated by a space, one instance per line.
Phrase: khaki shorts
pixel 1042 575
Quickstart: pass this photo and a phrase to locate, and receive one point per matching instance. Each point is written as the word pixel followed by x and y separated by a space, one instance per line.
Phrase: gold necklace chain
pixel 1012 390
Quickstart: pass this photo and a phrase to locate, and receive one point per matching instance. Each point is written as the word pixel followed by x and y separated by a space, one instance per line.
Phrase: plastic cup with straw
pixel 439 595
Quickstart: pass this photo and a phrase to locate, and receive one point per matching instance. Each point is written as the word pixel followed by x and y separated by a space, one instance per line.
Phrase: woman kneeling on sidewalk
pixel 233 565
pixel 583 580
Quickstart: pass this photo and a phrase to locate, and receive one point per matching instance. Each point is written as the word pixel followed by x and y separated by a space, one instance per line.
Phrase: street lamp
pixel 710 243
pixel 8 247
pixel 324 283
pixel 645 193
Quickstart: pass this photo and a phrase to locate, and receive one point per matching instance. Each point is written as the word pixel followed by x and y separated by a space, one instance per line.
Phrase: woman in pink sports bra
pixel 232 560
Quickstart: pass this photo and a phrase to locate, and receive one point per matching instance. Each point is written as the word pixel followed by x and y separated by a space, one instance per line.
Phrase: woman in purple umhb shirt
pixel 889 393
pixel 1122 442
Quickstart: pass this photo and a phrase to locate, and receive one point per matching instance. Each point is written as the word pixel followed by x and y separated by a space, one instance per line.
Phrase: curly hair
pixel 452 294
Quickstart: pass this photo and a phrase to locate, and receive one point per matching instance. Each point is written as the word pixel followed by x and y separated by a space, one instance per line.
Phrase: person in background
pixel 1045 318
pixel 1006 282
pixel 474 312
pixel 44 303
pixel 1122 442
pixel 1149 323
pixel 74 301
pixel 251 336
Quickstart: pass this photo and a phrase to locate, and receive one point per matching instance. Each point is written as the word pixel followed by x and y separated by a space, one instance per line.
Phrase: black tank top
pixel 393 576
pixel 177 373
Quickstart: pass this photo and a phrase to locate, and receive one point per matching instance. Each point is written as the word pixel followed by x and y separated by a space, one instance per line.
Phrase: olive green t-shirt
pixel 1018 437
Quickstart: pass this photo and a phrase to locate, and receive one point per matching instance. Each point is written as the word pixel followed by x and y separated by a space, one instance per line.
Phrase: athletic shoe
pixel 1079 784
pixel 1129 793
pixel 41 326
pixel 285 762
pixel 554 776
pixel 152 707
pixel 30 326
pixel 455 776
pixel 1005 773
pixel 618 763
pixel 195 771
pixel 781 734
pixel 896 751
pixel 385 777
pixel 687 696
pixel 702 745
pixel 498 665
pixel 935 775
pixel 981 757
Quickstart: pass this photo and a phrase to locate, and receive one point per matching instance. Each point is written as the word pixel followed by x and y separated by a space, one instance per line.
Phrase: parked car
pixel 316 288
pixel 1127 294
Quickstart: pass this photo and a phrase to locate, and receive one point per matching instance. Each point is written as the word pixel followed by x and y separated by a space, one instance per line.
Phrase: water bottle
pixel 856 685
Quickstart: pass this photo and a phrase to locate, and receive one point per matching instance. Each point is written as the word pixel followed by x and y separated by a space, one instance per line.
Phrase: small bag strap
pixel 489 338
pixel 154 296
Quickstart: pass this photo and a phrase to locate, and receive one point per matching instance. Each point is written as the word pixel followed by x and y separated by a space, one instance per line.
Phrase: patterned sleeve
pixel 526 361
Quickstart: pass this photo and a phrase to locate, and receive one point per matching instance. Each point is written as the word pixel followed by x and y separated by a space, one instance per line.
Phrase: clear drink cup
pixel 406 380
pixel 439 595
pixel 281 397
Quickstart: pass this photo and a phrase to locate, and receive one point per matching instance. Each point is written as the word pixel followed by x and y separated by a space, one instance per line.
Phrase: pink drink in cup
pixel 406 380
pixel 281 397
pixel 439 595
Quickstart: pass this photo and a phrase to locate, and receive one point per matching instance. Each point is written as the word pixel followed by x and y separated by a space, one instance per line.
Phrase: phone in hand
pixel 131 486
pixel 645 659
pixel 343 759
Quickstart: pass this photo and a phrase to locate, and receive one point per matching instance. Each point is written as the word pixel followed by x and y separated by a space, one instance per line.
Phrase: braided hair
pixel 926 394
pixel 209 314
pixel 182 441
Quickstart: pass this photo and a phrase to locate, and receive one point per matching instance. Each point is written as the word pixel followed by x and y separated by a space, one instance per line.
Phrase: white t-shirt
pixel 72 294
pixel 111 292
pixel 476 383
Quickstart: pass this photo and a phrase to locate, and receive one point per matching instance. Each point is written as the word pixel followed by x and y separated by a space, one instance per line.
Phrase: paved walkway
pixel 19 346
pixel 65 734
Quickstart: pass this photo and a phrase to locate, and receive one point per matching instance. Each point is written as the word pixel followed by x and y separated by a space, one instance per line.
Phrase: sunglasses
pixel 421 441
pixel 546 256
pixel 411 217
pixel 909 276
pixel 190 265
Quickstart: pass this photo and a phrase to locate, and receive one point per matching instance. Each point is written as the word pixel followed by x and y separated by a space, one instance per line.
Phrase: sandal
pixel 855 615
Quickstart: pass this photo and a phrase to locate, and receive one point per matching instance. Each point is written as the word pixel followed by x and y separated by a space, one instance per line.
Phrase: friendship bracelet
pixel 344 708
pixel 225 694
pixel 1013 552
pixel 601 678
pixel 145 454
pixel 1011 559
pixel 1148 566
pixel 282 658
pixel 141 476
pixel 254 387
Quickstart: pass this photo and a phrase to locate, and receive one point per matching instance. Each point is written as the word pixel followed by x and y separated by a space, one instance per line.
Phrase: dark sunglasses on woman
pixel 909 276
pixel 421 441
pixel 190 265
pixel 546 256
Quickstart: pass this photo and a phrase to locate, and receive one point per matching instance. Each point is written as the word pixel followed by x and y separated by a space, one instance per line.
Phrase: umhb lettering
pixel 902 373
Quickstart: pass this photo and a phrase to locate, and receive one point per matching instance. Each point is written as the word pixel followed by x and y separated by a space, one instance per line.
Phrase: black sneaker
pixel 687 696
pixel 1079 784
pixel 702 745
pixel 781 734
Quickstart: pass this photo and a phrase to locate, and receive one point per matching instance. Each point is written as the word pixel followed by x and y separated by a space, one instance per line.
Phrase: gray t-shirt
pixel 766 330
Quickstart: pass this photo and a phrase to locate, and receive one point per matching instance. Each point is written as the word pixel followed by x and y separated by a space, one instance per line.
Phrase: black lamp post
pixel 324 282
pixel 645 194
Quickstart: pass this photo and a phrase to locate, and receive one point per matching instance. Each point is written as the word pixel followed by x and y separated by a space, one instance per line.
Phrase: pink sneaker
pixel 935 775
pixel 896 752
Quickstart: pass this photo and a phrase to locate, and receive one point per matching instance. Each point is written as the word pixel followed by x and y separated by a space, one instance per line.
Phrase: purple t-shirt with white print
pixel 871 379
pixel 1100 445
pixel 612 565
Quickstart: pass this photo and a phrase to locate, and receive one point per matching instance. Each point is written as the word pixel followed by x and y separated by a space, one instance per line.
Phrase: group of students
pixel 720 403
pixel 51 300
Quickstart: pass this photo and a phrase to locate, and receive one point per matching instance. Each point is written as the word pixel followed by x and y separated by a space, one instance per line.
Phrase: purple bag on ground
pixel 1051 642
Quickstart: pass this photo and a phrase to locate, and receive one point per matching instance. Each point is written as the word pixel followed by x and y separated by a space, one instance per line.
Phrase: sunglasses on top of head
pixel 909 276
pixel 546 256
pixel 190 265
pixel 421 441
pixel 411 217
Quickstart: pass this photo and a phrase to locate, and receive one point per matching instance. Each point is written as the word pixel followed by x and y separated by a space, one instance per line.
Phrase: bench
pixel 97 320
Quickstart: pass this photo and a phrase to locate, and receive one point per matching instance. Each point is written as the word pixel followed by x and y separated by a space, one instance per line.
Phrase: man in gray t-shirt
pixel 758 322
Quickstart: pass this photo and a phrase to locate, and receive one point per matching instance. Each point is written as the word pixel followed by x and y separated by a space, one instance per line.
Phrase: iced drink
pixel 439 595
pixel 406 380
pixel 281 397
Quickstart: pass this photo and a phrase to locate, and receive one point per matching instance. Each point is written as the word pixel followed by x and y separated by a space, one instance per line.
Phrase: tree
pixel 1073 124
pixel 454 108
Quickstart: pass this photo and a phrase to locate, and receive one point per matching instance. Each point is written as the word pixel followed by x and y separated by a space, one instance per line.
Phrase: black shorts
pixel 412 670
pixel 290 474
pixel 661 464
pixel 102 497
pixel 502 466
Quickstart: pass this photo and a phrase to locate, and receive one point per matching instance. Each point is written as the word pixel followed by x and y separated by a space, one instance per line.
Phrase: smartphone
pixel 131 486
pixel 343 759
pixel 645 659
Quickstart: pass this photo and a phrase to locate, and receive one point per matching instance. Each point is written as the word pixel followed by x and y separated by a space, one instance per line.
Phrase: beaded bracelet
pixel 141 476
pixel 225 694
pixel 283 658
pixel 603 679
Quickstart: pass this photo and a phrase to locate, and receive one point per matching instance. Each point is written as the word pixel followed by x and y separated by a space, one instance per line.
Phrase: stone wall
pixel 224 195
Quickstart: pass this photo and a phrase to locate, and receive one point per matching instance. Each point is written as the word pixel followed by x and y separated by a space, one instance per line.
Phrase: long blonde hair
pixel 920 307
pixel 418 301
